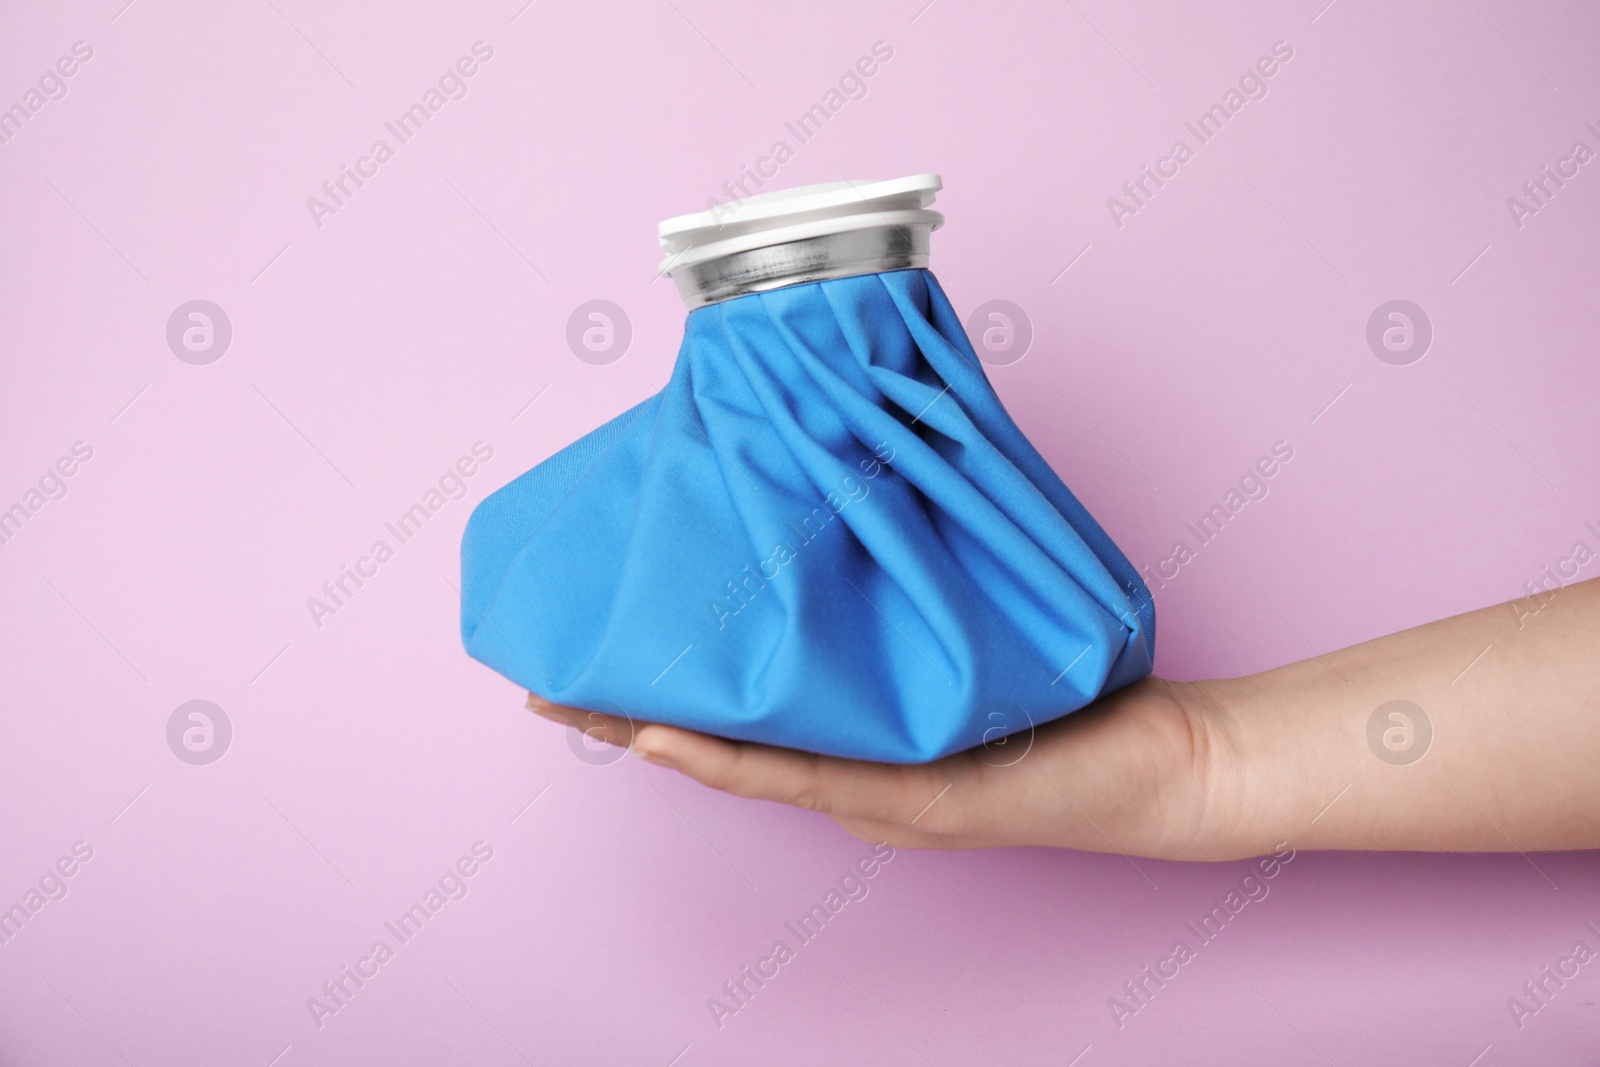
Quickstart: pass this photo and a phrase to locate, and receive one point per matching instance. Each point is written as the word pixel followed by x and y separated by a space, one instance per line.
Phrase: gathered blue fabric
pixel 824 533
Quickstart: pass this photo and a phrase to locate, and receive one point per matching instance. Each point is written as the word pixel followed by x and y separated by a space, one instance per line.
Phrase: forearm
pixel 1512 693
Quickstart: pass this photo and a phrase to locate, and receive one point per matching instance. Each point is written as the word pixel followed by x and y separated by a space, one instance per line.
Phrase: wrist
pixel 1225 820
pixel 1285 746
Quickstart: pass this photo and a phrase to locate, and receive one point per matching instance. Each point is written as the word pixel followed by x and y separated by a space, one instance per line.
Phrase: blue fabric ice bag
pixel 824 533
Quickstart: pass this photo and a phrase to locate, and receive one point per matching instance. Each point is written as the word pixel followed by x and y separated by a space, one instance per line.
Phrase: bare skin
pixel 1225 769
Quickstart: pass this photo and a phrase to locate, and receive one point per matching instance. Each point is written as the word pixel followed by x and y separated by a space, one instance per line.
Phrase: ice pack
pixel 825 532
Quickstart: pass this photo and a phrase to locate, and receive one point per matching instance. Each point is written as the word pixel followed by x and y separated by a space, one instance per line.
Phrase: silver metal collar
pixel 815 259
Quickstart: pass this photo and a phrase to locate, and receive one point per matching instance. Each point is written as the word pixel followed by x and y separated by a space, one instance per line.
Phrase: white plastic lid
pixel 796 215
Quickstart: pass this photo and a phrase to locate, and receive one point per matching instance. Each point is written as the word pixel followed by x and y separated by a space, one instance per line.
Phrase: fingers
pixel 857 793
pixel 609 729
pixel 747 770
pixel 744 769
pixel 851 791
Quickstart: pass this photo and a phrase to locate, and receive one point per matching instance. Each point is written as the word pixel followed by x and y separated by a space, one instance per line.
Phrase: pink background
pixel 369 353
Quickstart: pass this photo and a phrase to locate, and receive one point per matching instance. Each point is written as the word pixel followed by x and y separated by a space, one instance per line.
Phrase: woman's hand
pixel 1474 733
pixel 1140 772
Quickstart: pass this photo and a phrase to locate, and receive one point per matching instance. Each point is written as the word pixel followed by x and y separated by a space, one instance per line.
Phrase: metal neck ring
pixel 815 259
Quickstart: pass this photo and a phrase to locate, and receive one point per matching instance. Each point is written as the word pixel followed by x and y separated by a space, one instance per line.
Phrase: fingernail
pixel 655 757
pixel 545 710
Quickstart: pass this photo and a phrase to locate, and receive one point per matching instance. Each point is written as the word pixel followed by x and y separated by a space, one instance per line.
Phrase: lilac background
pixel 369 353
